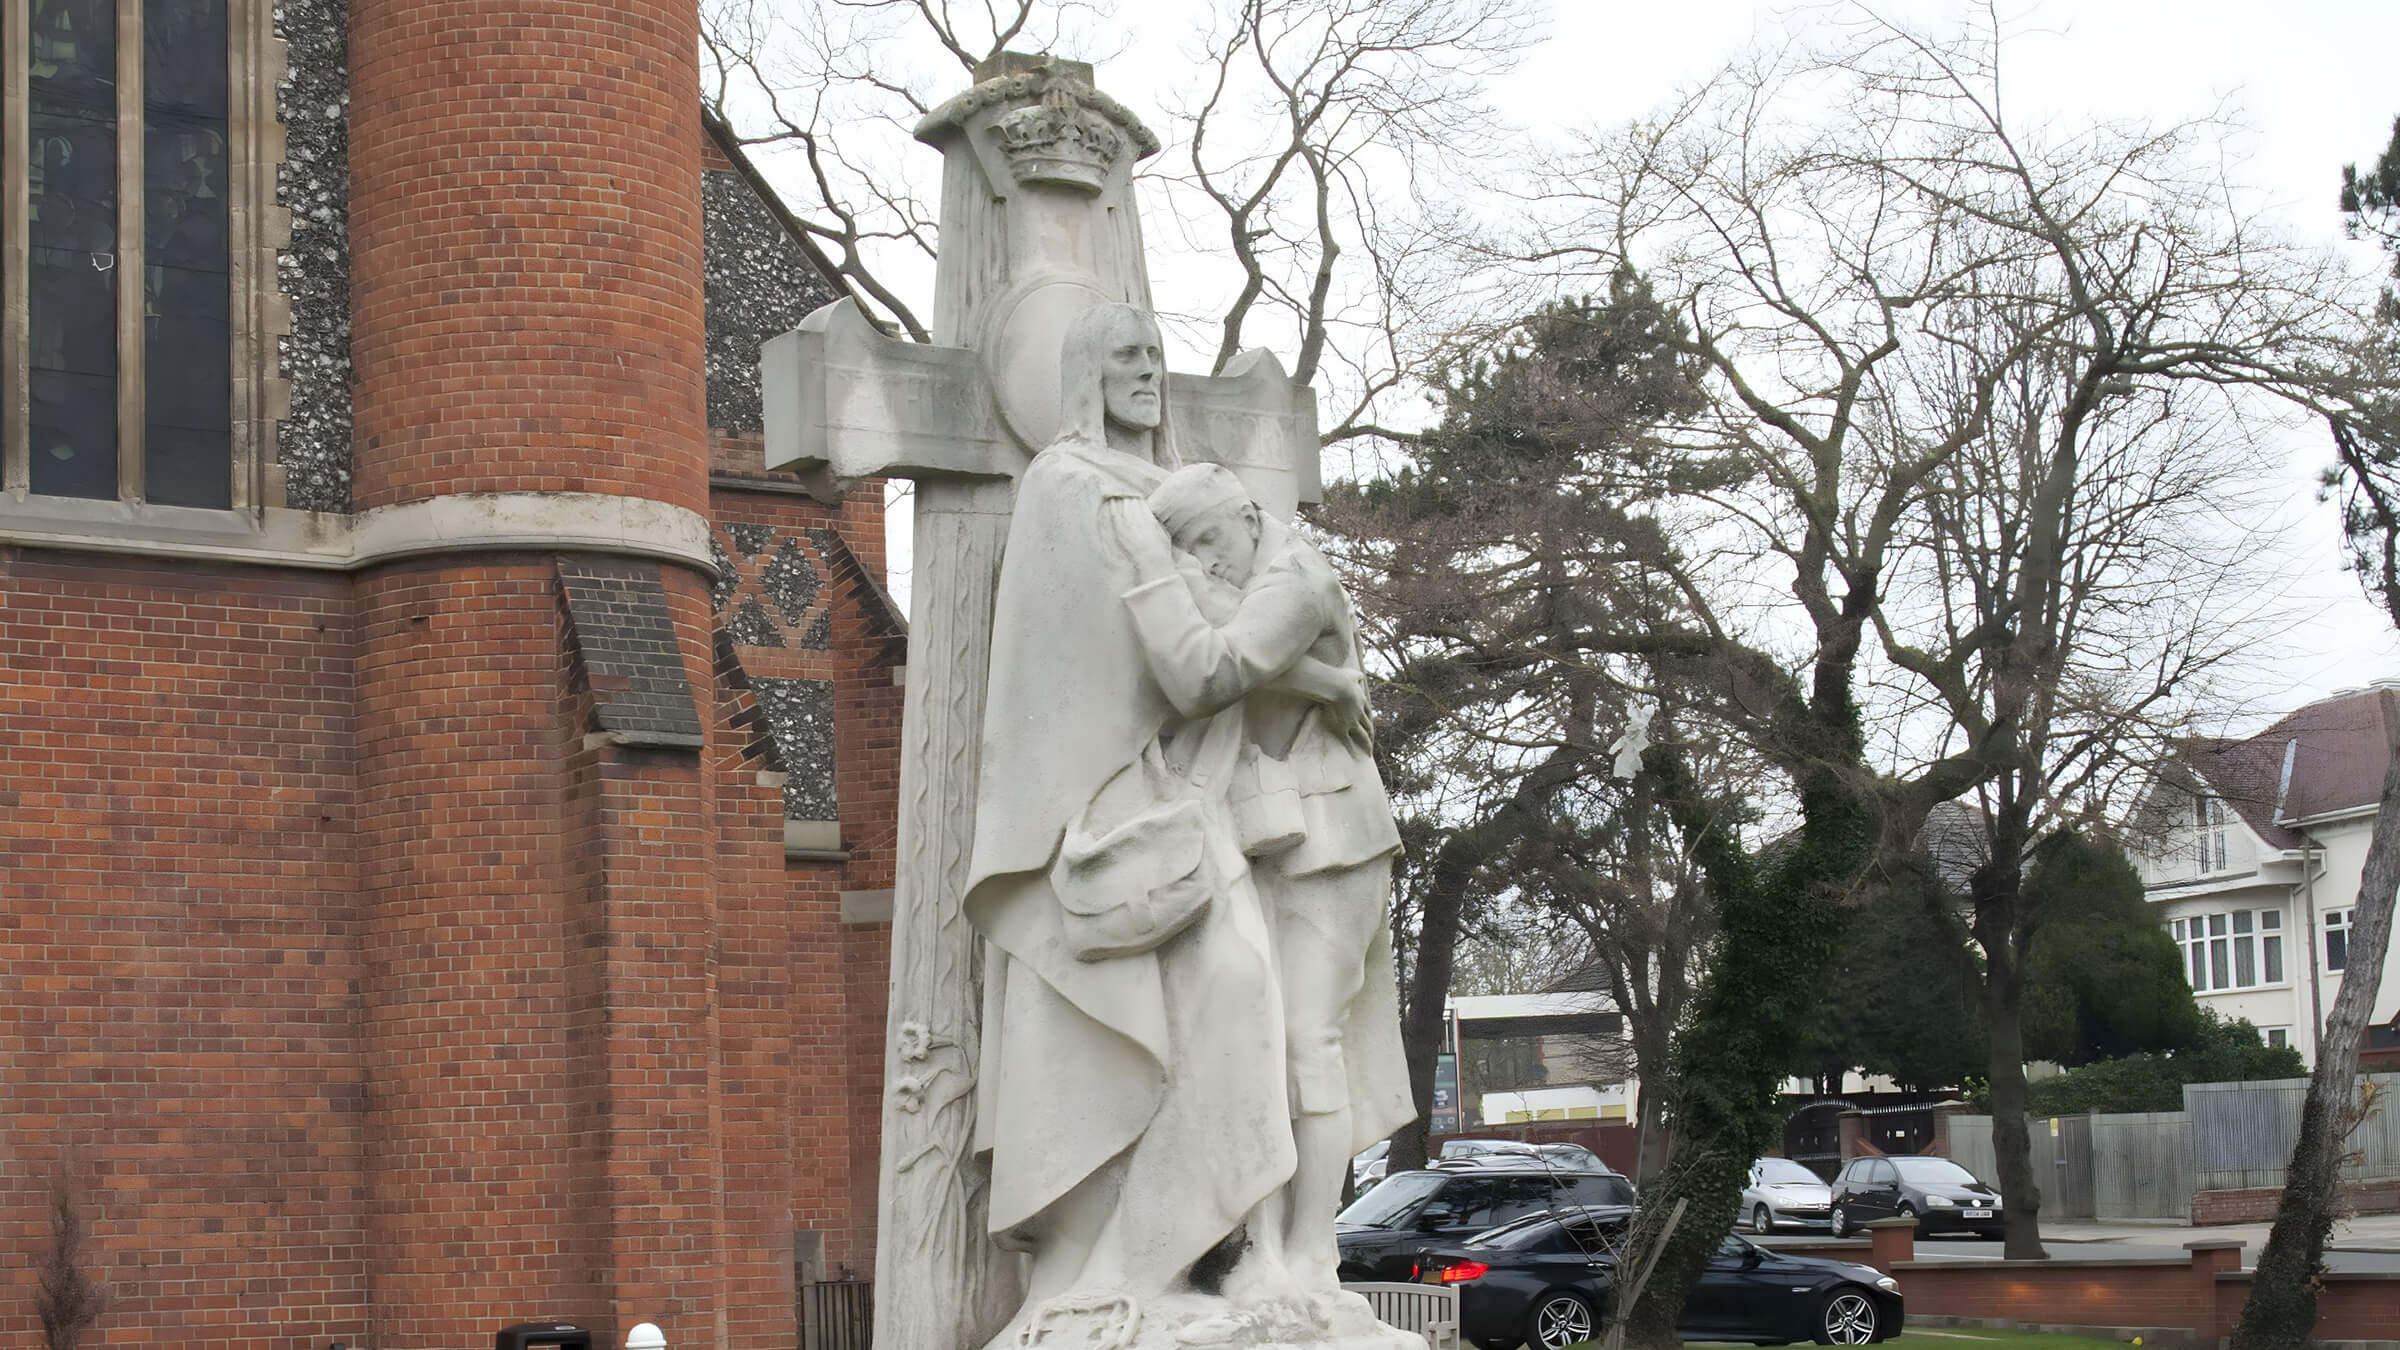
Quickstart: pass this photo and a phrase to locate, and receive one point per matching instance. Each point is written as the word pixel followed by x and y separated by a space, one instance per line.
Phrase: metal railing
pixel 837 1315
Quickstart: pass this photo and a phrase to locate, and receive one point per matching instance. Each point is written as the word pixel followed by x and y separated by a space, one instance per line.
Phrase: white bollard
pixel 646 1336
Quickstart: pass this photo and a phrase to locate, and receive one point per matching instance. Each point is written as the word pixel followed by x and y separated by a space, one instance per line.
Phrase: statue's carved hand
pixel 1353 718
pixel 1135 537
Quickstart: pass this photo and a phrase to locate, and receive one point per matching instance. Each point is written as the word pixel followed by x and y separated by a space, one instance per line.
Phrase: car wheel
pixel 1841 1222
pixel 1559 1320
pixel 1761 1221
pixel 1906 1211
pixel 1848 1317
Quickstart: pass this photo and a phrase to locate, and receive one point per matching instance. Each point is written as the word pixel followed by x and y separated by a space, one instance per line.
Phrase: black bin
pixel 565 1335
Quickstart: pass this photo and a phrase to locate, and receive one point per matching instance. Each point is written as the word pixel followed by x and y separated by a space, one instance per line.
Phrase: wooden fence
pixel 2229 1137
pixel 1430 1310
pixel 2134 1166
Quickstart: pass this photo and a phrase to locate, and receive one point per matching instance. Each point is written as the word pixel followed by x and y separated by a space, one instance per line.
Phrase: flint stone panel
pixel 313 183
pixel 759 284
pixel 800 715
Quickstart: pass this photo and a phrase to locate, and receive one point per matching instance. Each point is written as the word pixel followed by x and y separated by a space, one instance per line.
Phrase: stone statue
pixel 1180 864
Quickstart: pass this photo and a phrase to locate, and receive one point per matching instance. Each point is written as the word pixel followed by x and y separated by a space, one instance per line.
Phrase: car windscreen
pixel 1543 1233
pixel 1568 1155
pixel 1539 1233
pixel 1774 1171
pixel 1594 1190
pixel 1939 1171
pixel 1387 1202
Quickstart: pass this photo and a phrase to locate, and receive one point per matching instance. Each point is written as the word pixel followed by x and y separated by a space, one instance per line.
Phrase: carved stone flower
pixel 916 1040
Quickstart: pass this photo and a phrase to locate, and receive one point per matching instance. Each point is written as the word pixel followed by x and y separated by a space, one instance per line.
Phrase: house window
pixel 2208 833
pixel 134 196
pixel 2278 1037
pixel 2238 949
pixel 2337 939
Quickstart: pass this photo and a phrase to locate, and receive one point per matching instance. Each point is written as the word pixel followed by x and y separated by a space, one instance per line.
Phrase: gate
pixel 837 1315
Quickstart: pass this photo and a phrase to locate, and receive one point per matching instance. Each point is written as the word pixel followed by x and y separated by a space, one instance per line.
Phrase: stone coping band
pixel 274 537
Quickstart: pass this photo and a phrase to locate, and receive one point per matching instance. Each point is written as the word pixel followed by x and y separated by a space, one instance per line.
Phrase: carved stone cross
pixel 1037 223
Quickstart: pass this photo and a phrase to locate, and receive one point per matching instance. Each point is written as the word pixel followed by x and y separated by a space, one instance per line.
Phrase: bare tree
pixel 1903 302
pixel 832 90
pixel 2075 579
pixel 1326 156
pixel 1313 177
pixel 1510 952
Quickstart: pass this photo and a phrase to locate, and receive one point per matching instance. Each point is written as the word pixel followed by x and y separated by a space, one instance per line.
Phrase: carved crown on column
pixel 1046 120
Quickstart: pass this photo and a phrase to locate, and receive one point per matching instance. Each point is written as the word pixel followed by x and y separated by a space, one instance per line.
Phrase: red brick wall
pixel 481 1211
pixel 180 968
pixel 368 1000
pixel 832 1017
pixel 2257 1205
pixel 371 1005
pixel 542 1005
pixel 525 234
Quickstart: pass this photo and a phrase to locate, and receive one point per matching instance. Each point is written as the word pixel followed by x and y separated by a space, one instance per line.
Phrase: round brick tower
pixel 532 482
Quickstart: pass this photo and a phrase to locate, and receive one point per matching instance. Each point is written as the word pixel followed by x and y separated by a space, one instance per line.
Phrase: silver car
pixel 1783 1194
pixel 1367 1167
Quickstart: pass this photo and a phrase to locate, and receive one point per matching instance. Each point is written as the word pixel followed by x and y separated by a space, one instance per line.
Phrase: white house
pixel 2252 850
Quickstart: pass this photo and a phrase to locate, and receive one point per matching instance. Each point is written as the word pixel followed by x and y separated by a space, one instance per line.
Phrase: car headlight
pixel 1939 1202
pixel 1888 1285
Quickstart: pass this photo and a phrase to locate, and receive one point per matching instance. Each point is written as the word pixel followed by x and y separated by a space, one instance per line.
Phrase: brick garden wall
pixel 2257 1204
pixel 2194 1301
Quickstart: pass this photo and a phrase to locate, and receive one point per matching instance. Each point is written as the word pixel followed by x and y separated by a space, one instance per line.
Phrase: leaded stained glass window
pixel 121 259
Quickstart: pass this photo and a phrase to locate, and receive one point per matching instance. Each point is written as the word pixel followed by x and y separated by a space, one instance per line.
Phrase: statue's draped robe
pixel 1296 606
pixel 1168 1063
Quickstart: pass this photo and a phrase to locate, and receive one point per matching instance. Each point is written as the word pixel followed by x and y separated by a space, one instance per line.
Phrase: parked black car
pixel 1382 1231
pixel 1547 1282
pixel 1942 1196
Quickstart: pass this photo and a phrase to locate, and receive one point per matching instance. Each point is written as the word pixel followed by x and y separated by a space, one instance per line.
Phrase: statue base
pixel 1196 1321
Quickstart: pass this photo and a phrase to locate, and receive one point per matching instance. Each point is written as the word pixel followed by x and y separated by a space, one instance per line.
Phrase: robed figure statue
pixel 1163 732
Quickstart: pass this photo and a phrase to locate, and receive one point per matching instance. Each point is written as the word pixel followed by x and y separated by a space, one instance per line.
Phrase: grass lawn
pixel 1976 1338
pixel 1960 1338
pixel 1980 1338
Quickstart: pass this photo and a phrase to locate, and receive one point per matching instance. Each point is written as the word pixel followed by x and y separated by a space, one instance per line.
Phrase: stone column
pixel 533 474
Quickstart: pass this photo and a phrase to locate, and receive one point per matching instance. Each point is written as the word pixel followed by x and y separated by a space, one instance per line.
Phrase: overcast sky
pixel 2312 78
